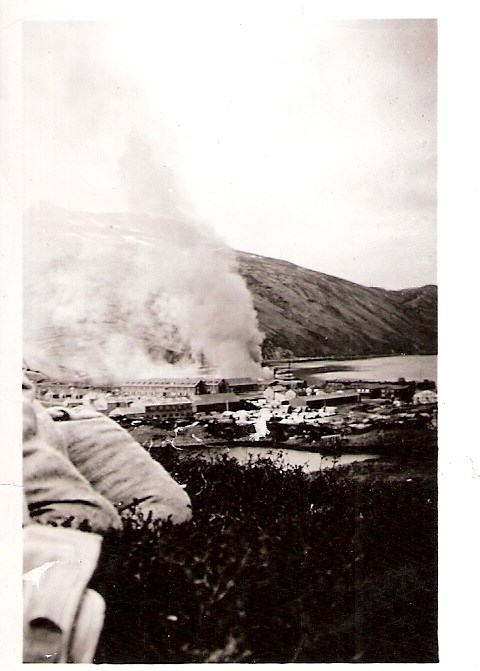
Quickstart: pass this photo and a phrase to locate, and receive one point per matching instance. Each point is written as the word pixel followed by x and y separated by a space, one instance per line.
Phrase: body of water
pixel 378 369
pixel 310 461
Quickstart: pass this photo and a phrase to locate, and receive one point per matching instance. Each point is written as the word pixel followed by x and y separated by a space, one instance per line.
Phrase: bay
pixel 375 369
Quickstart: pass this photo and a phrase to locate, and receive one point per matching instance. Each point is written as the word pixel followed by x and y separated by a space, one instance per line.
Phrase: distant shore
pixel 342 357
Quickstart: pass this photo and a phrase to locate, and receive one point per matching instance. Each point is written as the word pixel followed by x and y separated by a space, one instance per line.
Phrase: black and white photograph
pixel 229 336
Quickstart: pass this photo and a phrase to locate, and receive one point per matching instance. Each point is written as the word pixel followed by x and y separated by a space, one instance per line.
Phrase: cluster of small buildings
pixel 163 398
pixel 175 399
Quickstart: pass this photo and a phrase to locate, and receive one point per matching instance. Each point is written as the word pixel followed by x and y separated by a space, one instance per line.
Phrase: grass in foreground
pixel 276 566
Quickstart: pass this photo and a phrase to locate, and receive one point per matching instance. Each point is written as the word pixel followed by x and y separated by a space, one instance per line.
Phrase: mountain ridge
pixel 304 312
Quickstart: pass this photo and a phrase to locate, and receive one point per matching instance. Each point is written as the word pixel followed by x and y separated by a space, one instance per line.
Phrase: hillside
pixel 136 293
pixel 306 313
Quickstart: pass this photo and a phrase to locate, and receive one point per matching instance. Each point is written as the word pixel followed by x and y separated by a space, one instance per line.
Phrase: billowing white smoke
pixel 125 295
pixel 120 296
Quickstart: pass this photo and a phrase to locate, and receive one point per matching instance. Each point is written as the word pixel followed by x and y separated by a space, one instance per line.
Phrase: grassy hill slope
pixel 306 313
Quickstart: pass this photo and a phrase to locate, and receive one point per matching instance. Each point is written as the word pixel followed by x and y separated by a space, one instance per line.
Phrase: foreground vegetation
pixel 277 566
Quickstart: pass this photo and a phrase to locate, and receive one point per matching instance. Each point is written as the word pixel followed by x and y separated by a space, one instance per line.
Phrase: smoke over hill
pixel 119 296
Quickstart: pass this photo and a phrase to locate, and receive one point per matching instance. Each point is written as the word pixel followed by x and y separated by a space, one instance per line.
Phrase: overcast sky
pixel 294 137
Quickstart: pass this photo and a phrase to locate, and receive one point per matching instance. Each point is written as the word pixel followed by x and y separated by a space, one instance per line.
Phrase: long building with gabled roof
pixel 188 386
pixel 171 387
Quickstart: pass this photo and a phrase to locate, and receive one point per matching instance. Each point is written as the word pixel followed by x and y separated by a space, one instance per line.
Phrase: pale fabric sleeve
pixel 121 470
pixel 55 492
pixel 62 618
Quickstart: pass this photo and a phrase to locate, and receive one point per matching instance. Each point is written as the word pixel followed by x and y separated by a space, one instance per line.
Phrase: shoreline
pixel 422 444
pixel 343 357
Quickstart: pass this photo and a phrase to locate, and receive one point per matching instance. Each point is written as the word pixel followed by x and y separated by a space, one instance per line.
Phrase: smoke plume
pixel 148 291
pixel 122 296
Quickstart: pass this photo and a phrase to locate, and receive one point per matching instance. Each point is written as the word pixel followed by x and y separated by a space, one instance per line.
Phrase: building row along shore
pixel 182 398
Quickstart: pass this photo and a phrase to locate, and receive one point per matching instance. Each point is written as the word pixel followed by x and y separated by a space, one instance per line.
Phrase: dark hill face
pixel 306 313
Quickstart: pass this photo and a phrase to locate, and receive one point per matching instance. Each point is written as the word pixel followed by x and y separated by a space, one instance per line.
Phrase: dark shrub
pixel 275 566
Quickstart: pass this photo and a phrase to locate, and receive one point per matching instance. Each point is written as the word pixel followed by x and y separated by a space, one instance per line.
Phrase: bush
pixel 275 566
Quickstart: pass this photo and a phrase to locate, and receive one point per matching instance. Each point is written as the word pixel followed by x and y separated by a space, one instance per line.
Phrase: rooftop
pixel 173 381
pixel 240 380
pixel 207 399
pixel 168 402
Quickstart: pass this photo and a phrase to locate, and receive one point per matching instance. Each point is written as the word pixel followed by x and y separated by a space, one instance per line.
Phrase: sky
pixel 293 136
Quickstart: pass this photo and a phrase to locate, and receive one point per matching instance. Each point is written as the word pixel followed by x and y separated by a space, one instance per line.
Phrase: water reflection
pixel 310 461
